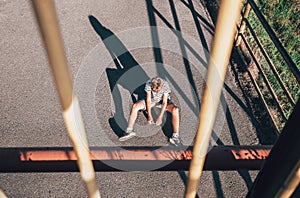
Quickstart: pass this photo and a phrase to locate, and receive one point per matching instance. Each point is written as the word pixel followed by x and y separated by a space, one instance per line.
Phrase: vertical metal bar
pixel 291 185
pixel 257 87
pixel 46 15
pixel 221 50
pixel 266 80
pixel 271 64
pixel 280 173
pixel 2 194
pixel 296 192
pixel 243 24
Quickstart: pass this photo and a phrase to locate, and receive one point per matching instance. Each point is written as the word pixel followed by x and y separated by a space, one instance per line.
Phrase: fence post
pixel 46 15
pixel 220 53
pixel 243 24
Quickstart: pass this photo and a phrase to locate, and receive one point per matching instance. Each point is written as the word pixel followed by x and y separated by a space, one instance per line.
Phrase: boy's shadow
pixel 128 74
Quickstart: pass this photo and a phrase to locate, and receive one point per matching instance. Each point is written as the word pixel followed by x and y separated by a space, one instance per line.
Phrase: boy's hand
pixel 150 119
pixel 159 121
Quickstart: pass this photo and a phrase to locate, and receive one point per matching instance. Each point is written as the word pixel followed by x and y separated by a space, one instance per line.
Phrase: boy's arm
pixel 148 106
pixel 163 108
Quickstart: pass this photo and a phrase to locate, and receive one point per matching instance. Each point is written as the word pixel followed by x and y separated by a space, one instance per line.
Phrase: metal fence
pixel 278 100
pixel 282 165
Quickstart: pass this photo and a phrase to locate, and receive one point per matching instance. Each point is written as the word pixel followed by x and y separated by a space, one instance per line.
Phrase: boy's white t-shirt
pixel 157 96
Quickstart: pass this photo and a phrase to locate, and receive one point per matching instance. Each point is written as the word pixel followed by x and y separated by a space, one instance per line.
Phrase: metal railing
pixel 288 141
pixel 282 167
pixel 48 23
pixel 271 93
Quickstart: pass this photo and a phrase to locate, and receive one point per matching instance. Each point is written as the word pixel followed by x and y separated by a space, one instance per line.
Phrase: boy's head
pixel 156 84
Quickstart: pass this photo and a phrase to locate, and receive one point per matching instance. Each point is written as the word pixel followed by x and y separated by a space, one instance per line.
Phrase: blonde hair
pixel 156 83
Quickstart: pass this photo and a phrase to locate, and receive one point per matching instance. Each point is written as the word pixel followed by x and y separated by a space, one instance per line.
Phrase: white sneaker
pixel 175 141
pixel 127 135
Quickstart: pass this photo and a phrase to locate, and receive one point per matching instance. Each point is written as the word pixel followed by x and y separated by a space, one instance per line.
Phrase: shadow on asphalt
pixel 265 130
pixel 152 12
pixel 124 61
pixel 128 74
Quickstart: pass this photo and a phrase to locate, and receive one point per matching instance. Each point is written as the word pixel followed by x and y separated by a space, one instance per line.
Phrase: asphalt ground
pixel 112 50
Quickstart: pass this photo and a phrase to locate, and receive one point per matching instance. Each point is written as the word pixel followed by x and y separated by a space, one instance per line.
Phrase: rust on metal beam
pixel 173 158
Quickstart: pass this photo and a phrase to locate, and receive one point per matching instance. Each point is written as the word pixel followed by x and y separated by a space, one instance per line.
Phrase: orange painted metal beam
pixel 113 153
pixel 137 158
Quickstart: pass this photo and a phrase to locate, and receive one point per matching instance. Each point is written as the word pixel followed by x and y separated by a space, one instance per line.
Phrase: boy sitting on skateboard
pixel 157 95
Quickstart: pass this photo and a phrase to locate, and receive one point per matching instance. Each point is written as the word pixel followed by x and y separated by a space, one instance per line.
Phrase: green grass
pixel 284 18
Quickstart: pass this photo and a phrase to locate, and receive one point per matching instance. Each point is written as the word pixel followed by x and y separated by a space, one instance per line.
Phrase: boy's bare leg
pixel 174 140
pixel 174 110
pixel 136 107
pixel 129 133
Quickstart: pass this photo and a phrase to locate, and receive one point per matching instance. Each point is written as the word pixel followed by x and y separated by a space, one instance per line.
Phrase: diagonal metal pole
pixel 243 24
pixel 2 194
pixel 220 53
pixel 280 174
pixel 46 15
